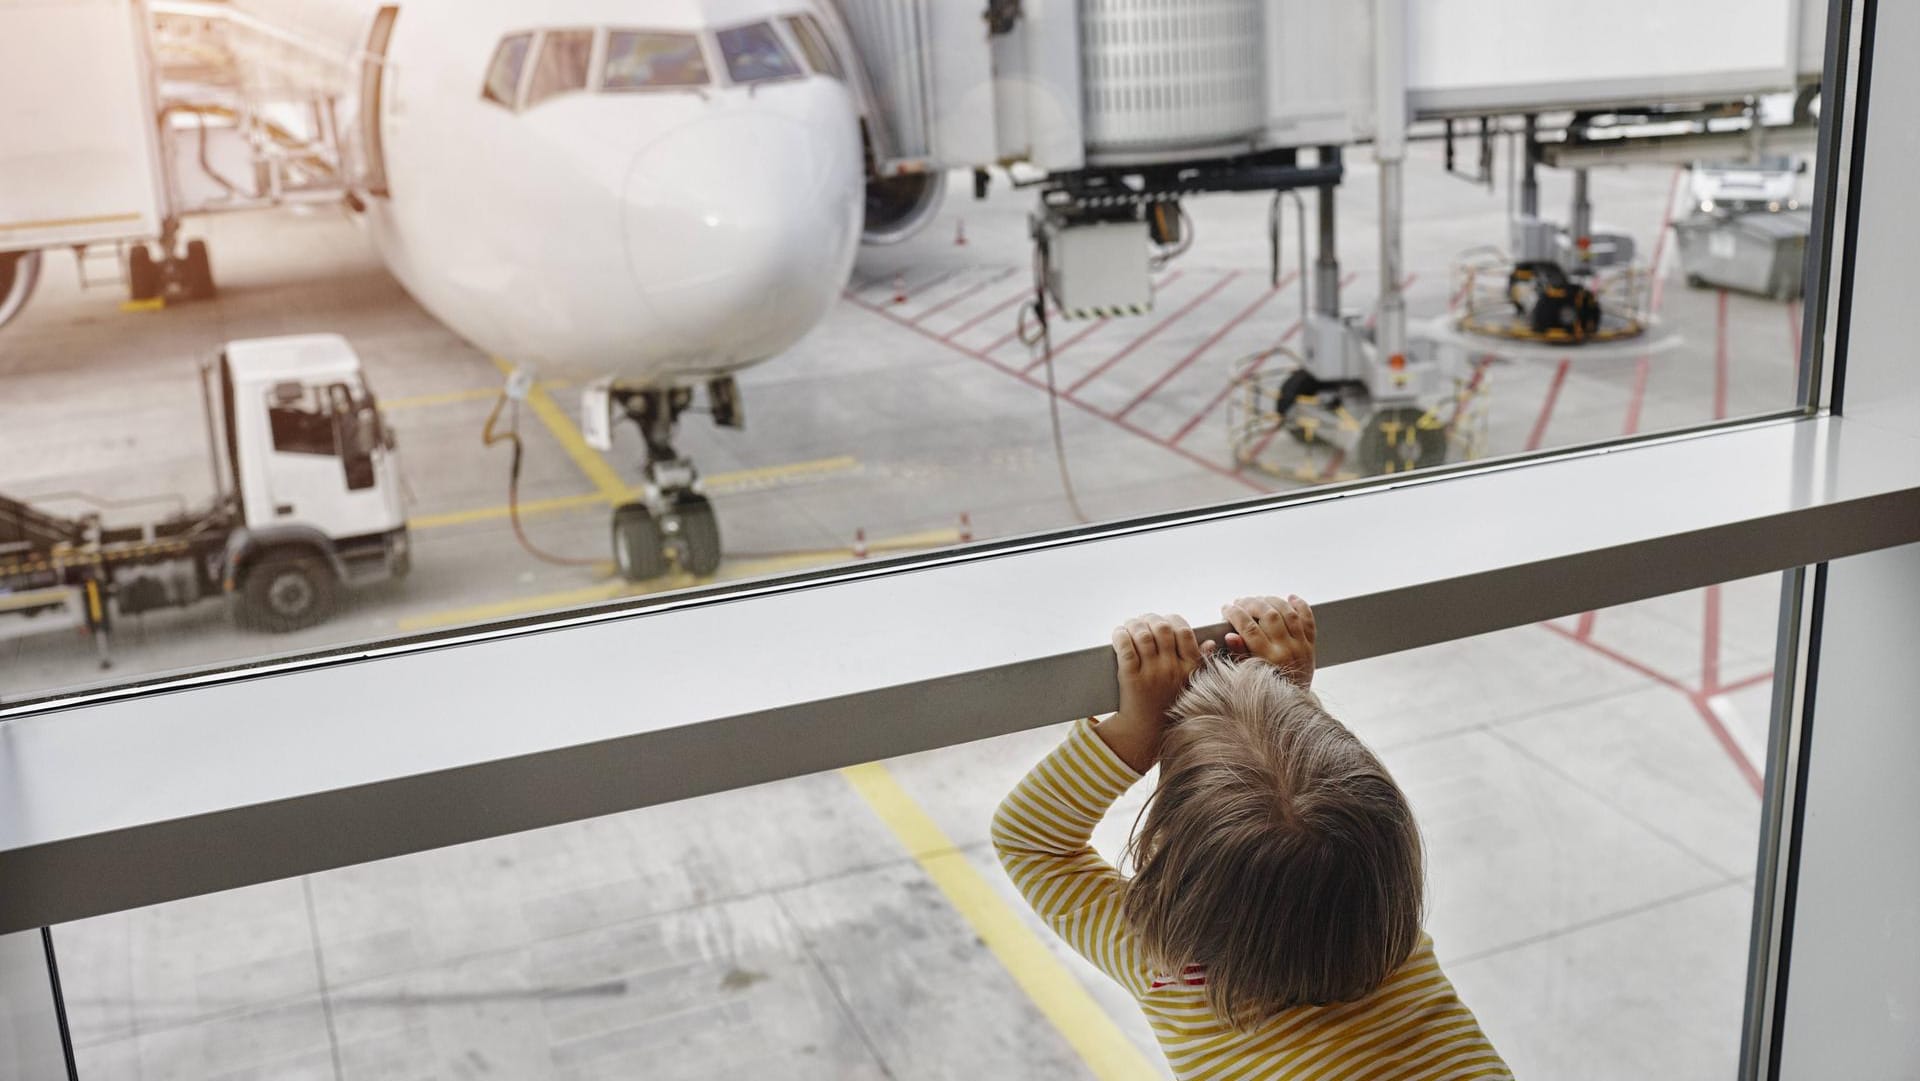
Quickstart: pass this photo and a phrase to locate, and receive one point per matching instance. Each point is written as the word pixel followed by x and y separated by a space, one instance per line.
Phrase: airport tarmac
pixel 1588 788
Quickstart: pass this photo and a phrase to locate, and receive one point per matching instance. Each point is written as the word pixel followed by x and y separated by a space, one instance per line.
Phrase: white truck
pixel 307 501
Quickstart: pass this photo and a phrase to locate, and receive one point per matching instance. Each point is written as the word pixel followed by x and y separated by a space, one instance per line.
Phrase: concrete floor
pixel 1586 787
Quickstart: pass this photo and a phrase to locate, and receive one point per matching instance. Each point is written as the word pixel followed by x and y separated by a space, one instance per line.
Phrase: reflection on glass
pixel 564 56
pixel 639 59
pixel 754 53
pixel 721 382
pixel 503 75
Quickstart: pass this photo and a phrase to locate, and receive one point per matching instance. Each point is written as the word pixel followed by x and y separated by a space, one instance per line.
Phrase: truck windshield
pixel 754 54
pixel 637 59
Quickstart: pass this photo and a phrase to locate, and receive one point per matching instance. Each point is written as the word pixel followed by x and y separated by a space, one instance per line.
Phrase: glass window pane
pixel 638 59
pixel 1586 792
pixel 692 264
pixel 301 420
pixel 754 52
pixel 503 75
pixel 813 42
pixel 564 58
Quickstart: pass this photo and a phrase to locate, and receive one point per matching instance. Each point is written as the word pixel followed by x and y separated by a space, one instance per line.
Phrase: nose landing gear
pixel 673 522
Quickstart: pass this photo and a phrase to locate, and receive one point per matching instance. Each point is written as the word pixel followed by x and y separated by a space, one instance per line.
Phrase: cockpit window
pixel 503 75
pixel 564 58
pixel 813 42
pixel 637 58
pixel 754 53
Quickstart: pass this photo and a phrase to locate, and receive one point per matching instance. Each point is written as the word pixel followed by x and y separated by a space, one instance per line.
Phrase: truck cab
pixel 315 479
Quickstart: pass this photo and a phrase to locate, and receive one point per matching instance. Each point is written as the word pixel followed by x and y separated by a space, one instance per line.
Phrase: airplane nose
pixel 740 231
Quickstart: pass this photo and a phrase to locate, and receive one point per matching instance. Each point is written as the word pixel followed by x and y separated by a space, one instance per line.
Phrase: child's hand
pixel 1155 656
pixel 1280 632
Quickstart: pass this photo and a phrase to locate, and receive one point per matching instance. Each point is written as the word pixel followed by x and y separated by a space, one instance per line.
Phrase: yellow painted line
pixel 616 589
pixel 38 598
pixel 151 304
pixel 528 509
pixel 561 426
pixel 61 223
pixel 718 483
pixel 451 397
pixel 1058 994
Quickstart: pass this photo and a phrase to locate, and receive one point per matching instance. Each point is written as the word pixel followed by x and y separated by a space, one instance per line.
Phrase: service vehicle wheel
pixel 638 549
pixel 199 271
pixel 1399 438
pixel 699 535
pixel 288 593
pixel 143 274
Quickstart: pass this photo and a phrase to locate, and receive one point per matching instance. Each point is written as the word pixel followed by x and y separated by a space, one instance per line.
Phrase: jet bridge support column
pixel 1326 266
pixel 1390 150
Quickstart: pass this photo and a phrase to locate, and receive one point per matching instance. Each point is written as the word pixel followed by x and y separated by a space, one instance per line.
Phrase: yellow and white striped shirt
pixel 1414 1028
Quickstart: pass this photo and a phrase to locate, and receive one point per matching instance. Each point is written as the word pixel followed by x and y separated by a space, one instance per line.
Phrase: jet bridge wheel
pixel 287 592
pixel 1396 439
pixel 639 549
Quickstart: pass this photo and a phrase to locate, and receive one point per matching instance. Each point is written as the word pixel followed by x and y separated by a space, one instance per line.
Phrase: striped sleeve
pixel 1042 832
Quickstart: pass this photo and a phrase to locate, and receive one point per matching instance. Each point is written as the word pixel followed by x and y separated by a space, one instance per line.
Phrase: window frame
pixel 1850 484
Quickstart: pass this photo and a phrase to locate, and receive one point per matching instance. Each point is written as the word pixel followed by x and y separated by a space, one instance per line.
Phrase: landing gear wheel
pixel 199 271
pixel 288 593
pixel 1397 439
pixel 638 548
pixel 699 532
pixel 143 274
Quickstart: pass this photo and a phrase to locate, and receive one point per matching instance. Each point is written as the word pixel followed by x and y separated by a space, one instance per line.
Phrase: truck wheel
pixel 288 593
pixel 143 274
pixel 199 271
pixel 699 535
pixel 637 547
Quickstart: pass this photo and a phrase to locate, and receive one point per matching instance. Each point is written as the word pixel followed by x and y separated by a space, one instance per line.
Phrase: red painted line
pixel 1720 359
pixel 1023 294
pixel 1546 407
pixel 1077 338
pixel 1092 325
pixel 1710 644
pixel 1126 426
pixel 1749 681
pixel 964 294
pixel 1728 743
pixel 1212 340
pixel 1584 629
pixel 1254 366
pixel 1658 290
pixel 1641 369
pixel 1181 313
pixel 1622 659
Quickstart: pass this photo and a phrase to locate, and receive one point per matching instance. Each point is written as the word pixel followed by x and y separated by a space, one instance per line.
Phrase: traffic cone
pixel 966 528
pixel 899 288
pixel 860 544
pixel 959 232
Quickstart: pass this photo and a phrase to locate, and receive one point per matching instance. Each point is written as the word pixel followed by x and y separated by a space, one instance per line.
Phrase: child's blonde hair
pixel 1277 852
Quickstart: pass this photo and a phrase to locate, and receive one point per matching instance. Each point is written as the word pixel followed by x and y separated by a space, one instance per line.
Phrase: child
pixel 1271 928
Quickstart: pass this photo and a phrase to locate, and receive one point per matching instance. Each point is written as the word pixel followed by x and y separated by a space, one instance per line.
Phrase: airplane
pixel 652 196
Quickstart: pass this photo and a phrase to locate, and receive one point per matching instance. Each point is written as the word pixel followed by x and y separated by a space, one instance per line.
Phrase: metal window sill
pixel 246 777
